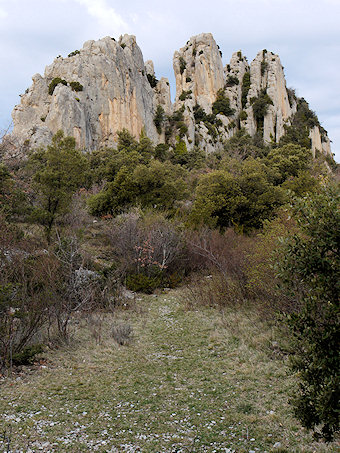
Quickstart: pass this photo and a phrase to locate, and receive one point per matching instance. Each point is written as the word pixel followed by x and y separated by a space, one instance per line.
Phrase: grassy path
pixel 191 381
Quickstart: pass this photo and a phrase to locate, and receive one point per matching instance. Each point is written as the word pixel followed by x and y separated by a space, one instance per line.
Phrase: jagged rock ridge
pixel 106 86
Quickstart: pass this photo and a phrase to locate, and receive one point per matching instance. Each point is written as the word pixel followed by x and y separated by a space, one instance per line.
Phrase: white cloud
pixel 3 13
pixel 107 17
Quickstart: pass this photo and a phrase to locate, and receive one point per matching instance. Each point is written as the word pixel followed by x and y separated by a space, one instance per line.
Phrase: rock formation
pixel 106 86
pixel 114 93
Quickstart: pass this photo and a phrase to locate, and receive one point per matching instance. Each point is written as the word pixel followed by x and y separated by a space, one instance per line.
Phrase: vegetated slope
pixel 189 381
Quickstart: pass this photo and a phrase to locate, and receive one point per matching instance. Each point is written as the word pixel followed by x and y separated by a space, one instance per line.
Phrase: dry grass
pixel 198 380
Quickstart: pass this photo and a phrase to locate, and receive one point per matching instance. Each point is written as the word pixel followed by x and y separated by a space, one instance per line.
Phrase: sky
pixel 304 33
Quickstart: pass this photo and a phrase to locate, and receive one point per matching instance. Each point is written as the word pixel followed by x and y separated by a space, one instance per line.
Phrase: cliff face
pixel 106 86
pixel 116 94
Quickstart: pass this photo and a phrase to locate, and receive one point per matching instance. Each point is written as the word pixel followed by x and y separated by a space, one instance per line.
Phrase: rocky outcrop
pixel 106 86
pixel 114 93
pixel 267 79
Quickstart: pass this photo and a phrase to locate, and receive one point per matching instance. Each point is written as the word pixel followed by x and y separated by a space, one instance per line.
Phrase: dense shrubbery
pixel 309 266
pixel 303 120
pixel 167 210
pixel 76 86
pixel 40 290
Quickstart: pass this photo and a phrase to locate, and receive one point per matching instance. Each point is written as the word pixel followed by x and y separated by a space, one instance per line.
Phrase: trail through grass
pixel 191 381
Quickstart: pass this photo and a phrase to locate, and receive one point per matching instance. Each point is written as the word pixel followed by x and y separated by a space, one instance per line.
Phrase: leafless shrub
pixel 122 334
pixel 25 297
pixel 78 289
pixel 145 244
pixel 77 219
pixel 224 256
pixel 95 324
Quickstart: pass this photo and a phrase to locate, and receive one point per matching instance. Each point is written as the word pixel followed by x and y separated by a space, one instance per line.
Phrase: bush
pixel 147 245
pixel 56 81
pixel 159 118
pixel 182 64
pixel 243 115
pixel 76 86
pixel 122 334
pixel 222 104
pixel 309 267
pixel 245 88
pixel 185 95
pixel 260 107
pixel 152 80
pixel 142 283
pixel 72 54
pixel 231 81
pixel 27 355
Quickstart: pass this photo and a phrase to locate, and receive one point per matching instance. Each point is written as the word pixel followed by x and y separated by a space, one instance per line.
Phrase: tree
pixel 12 198
pixel 59 170
pixel 289 160
pixel 216 200
pixel 241 195
pixel 309 266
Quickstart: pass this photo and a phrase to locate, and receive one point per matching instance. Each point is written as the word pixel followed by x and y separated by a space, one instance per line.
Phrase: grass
pixel 190 381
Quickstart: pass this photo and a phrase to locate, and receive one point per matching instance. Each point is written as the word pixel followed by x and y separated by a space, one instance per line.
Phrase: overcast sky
pixel 304 33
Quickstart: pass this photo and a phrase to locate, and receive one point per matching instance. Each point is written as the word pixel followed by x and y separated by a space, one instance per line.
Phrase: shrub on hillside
pixel 309 266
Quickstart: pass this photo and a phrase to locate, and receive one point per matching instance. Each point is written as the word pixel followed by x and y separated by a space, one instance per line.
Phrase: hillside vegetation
pixel 251 231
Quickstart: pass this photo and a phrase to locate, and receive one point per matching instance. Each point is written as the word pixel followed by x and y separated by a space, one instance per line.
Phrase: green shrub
pixel 309 267
pixel 182 64
pixel 222 104
pixel 152 80
pixel 260 107
pixel 264 66
pixel 56 81
pixel 123 46
pixel 231 81
pixel 72 54
pixel 243 115
pixel 245 88
pixel 142 283
pixel 76 86
pixel 188 79
pixel 27 355
pixel 185 95
pixel 199 113
pixel 159 118
pixel 303 120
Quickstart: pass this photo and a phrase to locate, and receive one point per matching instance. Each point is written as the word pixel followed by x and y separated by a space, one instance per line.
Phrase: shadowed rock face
pixel 117 93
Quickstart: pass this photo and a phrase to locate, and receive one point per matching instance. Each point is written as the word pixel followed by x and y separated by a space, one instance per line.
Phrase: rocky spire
pixel 106 86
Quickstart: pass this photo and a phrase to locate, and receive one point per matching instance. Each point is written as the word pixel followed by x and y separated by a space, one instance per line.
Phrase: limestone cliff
pixel 106 86
pixel 113 93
